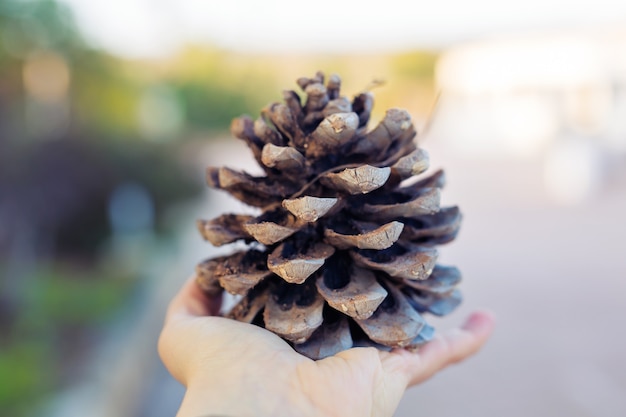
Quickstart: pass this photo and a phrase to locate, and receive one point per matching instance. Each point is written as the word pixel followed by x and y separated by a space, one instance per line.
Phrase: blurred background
pixel 109 112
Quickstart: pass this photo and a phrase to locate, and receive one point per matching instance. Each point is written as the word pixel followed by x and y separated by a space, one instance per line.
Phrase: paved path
pixel 556 277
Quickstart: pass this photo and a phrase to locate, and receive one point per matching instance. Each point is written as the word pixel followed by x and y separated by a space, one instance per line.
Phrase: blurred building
pixel 557 96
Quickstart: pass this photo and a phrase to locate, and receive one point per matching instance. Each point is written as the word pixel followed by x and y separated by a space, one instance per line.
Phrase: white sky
pixel 148 28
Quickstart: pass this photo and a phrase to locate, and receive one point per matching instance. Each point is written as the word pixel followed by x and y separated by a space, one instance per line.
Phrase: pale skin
pixel 233 369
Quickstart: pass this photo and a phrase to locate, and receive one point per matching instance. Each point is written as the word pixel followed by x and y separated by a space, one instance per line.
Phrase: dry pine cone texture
pixel 343 252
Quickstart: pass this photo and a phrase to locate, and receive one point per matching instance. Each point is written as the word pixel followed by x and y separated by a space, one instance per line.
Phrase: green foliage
pixel 104 99
pixel 61 306
pixel 71 297
pixel 27 26
pixel 416 64
pixel 212 106
pixel 25 376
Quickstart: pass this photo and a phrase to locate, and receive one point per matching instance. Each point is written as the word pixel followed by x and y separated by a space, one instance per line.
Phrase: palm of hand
pixel 236 369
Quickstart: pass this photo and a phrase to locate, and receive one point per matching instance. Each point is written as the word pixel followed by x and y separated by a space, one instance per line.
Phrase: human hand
pixel 234 369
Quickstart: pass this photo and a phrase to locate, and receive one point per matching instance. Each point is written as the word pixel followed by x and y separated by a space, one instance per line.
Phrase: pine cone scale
pixel 359 298
pixel 394 326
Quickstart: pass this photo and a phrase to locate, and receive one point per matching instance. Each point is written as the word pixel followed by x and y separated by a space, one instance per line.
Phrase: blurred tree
pixel 69 139
pixel 211 106
pixel 56 179
pixel 215 85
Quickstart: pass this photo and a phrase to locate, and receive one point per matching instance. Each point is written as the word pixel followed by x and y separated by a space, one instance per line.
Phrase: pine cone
pixel 343 253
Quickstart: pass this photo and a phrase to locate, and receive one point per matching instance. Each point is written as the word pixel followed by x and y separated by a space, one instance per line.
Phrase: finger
pixel 191 301
pixel 450 348
pixel 179 338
